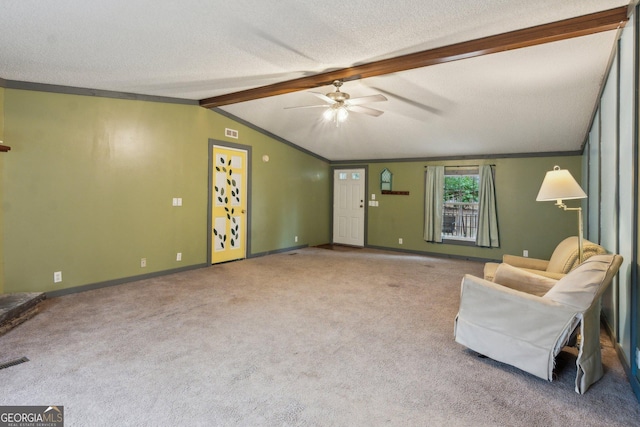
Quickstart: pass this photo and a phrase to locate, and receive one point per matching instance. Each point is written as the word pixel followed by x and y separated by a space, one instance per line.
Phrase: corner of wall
pixel 2 156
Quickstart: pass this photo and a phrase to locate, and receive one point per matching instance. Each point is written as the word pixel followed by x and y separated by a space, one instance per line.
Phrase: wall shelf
pixel 396 193
pixel 4 148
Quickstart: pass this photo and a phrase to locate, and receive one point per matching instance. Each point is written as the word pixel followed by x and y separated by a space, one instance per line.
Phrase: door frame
pixel 366 197
pixel 247 235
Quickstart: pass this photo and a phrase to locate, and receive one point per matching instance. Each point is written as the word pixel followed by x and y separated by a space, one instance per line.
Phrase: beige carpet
pixel 312 337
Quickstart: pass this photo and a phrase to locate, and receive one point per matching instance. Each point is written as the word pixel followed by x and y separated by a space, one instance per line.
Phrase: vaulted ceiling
pixel 461 77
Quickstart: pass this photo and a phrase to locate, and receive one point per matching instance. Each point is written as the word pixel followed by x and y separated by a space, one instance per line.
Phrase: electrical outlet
pixel 57 277
pixel 143 262
pixel 525 253
pixel 179 256
pixel 400 240
pixel 296 239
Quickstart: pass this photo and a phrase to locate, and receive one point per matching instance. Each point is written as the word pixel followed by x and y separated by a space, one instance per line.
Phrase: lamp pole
pixel 563 206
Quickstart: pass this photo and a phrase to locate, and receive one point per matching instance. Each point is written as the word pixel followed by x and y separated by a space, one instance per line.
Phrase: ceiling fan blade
pixel 308 106
pixel 365 110
pixel 428 108
pixel 366 99
pixel 324 97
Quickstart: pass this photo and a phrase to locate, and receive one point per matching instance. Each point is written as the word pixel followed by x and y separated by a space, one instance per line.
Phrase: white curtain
pixel 487 214
pixel 434 193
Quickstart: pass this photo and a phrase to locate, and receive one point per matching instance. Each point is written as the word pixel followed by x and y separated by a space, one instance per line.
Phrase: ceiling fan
pixel 339 104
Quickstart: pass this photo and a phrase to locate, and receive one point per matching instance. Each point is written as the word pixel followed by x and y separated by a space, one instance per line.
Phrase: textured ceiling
pixel 535 99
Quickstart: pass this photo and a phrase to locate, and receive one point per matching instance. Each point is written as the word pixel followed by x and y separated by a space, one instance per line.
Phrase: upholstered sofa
pixel 563 259
pixel 508 321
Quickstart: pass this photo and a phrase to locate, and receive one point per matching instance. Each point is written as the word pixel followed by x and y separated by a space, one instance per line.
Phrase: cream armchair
pixel 528 331
pixel 563 259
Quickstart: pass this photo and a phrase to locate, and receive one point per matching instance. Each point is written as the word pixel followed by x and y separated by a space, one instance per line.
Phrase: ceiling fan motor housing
pixel 338 96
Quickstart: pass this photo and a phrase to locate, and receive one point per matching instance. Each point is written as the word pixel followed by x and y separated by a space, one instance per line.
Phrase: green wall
pixel 89 182
pixel 523 222
pixel 291 198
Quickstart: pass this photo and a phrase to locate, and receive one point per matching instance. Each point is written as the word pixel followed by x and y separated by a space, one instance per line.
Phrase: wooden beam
pixel 546 33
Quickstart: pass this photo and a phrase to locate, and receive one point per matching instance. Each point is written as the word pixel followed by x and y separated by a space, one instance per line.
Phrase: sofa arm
pixel 493 303
pixel 511 326
pixel 489 271
pixel 522 262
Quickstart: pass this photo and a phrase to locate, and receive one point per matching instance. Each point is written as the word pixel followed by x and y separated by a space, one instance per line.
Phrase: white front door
pixel 348 206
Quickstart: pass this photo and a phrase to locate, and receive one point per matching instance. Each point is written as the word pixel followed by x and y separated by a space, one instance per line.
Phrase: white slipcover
pixel 527 331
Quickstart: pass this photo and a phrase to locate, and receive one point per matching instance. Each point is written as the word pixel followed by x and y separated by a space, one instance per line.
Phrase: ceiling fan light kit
pixel 336 113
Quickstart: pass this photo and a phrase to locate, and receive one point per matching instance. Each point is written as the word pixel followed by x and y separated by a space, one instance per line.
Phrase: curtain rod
pixel 467 166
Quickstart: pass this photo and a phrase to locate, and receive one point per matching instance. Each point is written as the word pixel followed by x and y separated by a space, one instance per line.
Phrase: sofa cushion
pixel 523 280
pixel 579 288
pixel 565 257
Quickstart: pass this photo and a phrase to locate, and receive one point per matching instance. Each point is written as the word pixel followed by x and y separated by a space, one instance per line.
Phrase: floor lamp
pixel 559 185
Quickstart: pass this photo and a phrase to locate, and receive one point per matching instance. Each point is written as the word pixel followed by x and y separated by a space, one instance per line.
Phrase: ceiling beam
pixel 555 31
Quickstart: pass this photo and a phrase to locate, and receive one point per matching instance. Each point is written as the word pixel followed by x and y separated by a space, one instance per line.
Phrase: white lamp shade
pixel 558 184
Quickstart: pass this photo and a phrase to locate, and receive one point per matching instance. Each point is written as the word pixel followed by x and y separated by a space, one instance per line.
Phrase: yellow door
pixel 229 204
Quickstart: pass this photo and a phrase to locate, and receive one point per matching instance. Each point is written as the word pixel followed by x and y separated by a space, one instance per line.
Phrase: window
pixel 385 180
pixel 464 209
pixel 460 203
